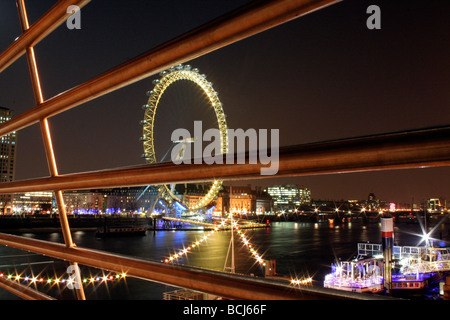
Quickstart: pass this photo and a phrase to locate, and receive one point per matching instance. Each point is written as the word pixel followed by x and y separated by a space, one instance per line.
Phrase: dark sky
pixel 320 77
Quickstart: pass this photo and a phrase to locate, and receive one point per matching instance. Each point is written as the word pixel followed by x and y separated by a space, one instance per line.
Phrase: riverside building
pixel 7 161
pixel 288 197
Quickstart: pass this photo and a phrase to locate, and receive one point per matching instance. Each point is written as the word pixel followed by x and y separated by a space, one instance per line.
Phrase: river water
pixel 299 248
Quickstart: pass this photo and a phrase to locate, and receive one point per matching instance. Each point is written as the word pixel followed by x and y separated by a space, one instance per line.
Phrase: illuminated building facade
pixel 110 201
pixel 436 205
pixel 7 161
pixel 288 197
pixel 372 203
pixel 242 200
pixel 245 200
pixel 118 200
pixel 81 202
pixel 264 202
pixel 192 193
pixel 33 203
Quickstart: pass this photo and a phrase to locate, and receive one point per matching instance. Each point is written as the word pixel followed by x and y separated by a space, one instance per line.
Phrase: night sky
pixel 323 76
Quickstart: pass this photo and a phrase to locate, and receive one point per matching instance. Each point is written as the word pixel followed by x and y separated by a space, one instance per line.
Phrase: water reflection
pixel 298 248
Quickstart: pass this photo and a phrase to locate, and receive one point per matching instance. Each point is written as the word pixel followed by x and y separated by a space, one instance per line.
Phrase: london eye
pixel 188 77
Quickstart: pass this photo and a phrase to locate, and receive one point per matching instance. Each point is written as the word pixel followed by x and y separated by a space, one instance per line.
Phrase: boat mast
pixel 231 245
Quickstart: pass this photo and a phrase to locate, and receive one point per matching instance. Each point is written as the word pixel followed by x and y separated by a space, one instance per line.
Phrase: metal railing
pixel 401 150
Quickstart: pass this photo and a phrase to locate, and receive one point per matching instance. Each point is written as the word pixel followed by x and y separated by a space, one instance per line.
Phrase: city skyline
pixel 131 199
pixel 320 77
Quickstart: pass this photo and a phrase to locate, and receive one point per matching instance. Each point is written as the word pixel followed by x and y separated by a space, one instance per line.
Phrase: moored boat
pixel 409 281
pixel 121 231
pixel 356 276
pixel 411 270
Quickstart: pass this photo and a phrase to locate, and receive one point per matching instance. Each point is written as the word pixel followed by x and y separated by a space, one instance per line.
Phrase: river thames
pixel 301 249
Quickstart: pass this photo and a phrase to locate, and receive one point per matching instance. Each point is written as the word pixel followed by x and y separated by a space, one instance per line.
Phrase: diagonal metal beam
pixel 411 149
pixel 47 138
pixel 24 292
pixel 38 31
pixel 237 25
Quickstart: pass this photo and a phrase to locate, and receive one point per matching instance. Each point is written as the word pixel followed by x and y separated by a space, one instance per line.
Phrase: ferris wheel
pixel 167 78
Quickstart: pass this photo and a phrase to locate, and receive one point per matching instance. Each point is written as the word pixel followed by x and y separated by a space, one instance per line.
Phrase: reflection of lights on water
pixel 203 239
pixel 188 249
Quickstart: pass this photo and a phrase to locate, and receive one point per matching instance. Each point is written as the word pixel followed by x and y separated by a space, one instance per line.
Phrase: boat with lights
pixel 412 268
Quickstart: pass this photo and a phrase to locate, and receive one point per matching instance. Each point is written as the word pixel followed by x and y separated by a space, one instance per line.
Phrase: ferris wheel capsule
pixel 155 81
pixel 195 70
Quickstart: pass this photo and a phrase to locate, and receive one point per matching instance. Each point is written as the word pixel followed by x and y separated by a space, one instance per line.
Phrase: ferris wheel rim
pixel 169 77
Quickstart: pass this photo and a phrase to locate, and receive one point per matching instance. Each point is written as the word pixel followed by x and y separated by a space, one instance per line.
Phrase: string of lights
pixel 304 281
pixel 183 252
pixel 250 246
pixel 61 280
pixel 258 257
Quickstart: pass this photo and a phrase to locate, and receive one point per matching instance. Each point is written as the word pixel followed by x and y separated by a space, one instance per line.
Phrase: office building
pixel 288 197
pixel 7 161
